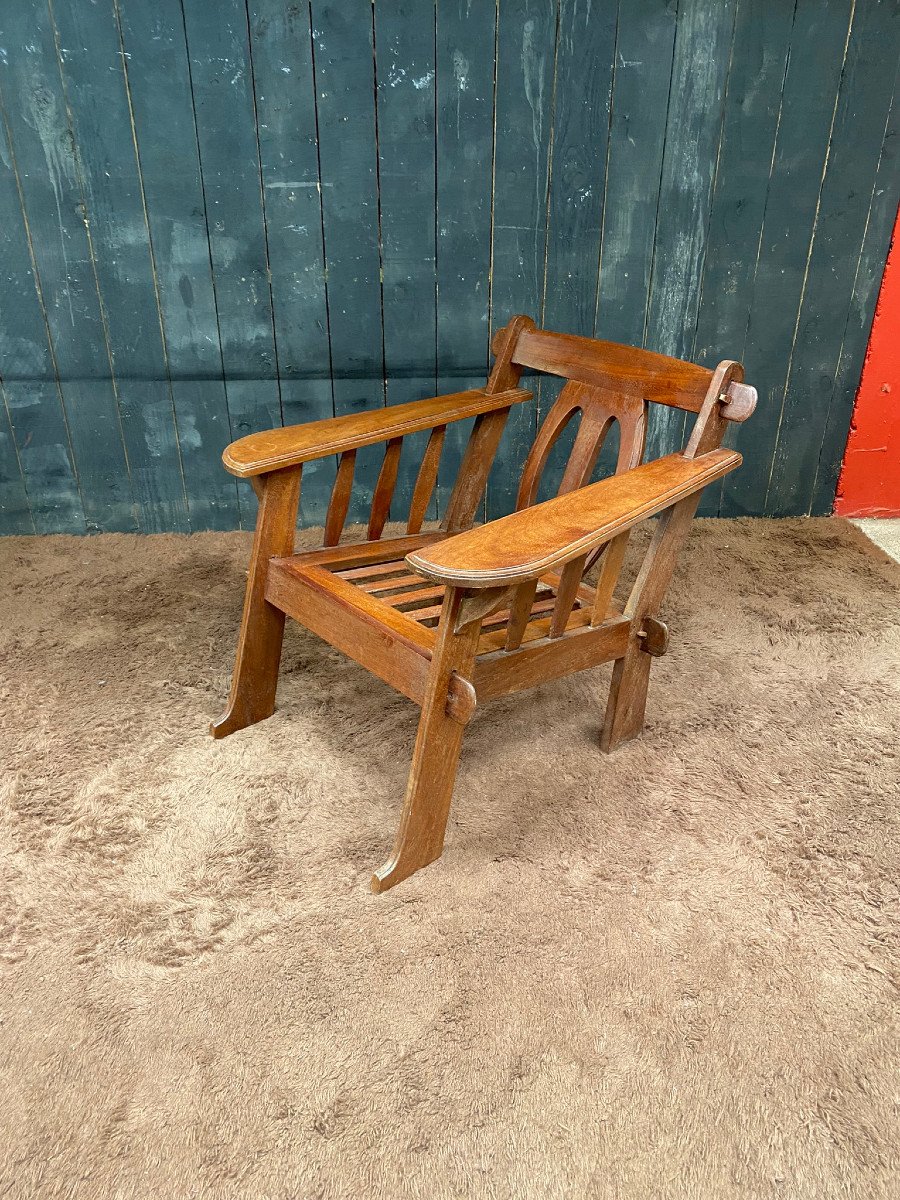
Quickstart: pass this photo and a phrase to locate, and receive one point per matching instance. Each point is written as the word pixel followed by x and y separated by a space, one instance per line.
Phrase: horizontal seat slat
pixel 415 598
pixel 385 551
pixel 393 583
pixel 376 571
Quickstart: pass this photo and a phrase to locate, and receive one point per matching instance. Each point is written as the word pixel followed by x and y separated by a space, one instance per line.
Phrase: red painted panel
pixel 870 477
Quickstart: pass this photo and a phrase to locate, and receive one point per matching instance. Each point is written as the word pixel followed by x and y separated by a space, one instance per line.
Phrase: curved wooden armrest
pixel 522 546
pixel 275 449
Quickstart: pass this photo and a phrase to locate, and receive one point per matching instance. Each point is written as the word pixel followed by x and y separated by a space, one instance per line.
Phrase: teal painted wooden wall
pixel 216 217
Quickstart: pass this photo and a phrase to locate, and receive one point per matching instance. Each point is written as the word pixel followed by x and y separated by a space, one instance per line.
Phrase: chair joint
pixel 461 699
pixel 654 637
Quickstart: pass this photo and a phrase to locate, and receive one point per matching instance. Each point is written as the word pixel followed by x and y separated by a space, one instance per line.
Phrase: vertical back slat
pixel 384 488
pixel 550 432
pixel 595 425
pixel 609 577
pixel 565 595
pixel 340 499
pixel 471 480
pixel 426 479
pixel 519 614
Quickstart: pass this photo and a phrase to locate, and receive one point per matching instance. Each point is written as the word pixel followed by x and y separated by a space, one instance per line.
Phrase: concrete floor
pixel 884 532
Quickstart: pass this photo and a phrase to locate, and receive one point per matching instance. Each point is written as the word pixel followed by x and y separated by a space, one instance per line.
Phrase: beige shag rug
pixel 668 973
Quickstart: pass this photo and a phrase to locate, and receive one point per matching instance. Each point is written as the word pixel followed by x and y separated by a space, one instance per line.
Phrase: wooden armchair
pixel 469 613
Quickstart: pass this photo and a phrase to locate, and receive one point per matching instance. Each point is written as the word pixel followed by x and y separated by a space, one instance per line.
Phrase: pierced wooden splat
pixel 597 408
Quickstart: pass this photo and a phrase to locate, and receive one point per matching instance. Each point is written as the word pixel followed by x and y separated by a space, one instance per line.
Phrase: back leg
pixel 631 673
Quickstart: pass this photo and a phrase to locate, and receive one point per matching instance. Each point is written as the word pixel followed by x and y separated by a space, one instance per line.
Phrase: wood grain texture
pixel 816 63
pixel 405 94
pixel 255 677
pixel 344 64
pixel 844 204
pixel 426 480
pixel 426 807
pixel 693 132
pixel 391 645
pixel 645 43
pixel 15 512
pixel 753 102
pixel 627 699
pixel 339 503
pixel 492 590
pixel 876 243
pixel 40 453
pixel 384 489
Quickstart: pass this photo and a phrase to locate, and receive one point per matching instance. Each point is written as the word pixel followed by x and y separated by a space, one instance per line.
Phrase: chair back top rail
pixel 630 371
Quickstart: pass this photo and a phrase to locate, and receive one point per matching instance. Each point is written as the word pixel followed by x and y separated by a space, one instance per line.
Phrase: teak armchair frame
pixel 470 612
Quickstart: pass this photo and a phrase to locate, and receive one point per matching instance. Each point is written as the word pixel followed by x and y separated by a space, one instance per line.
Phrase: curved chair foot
pixel 395 870
pixel 232 719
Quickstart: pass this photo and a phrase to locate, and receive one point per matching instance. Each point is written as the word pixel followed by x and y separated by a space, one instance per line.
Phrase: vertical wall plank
pixel 405 78
pixel 645 43
pixel 33 402
pixel 280 39
pixel 526 57
pixel 154 56
pixel 91 65
pixel 581 111
pixel 465 151
pixel 818 39
pixel 15 513
pixel 222 80
pixel 585 57
pixel 49 172
pixel 863 299
pixel 863 105
pixel 752 108
pixel 343 56
pixel 693 132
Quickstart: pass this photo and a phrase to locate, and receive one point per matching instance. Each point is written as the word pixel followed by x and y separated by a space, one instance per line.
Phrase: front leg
pixel 255 676
pixel 423 822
